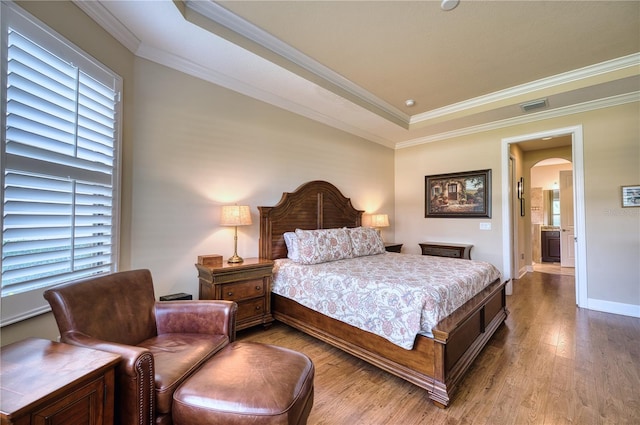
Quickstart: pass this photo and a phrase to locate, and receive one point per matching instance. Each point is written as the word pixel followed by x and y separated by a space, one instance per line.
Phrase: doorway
pixel 508 205
pixel 551 221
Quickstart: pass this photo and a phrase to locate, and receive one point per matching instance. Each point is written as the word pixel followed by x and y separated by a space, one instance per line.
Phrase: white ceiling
pixel 352 64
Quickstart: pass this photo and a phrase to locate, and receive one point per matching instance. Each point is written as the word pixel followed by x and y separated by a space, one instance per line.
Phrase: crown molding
pixel 524 119
pixel 110 23
pixel 544 83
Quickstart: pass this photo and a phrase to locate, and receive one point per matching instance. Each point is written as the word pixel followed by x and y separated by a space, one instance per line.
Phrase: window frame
pixel 23 305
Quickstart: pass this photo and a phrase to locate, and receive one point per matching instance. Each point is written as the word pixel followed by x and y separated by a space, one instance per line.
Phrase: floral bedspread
pixel 395 296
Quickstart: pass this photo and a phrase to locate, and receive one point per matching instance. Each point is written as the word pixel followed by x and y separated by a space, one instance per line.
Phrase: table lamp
pixel 376 221
pixel 235 215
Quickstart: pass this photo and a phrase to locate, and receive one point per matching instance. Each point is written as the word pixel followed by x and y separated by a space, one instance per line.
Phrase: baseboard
pixel 614 307
pixel 519 274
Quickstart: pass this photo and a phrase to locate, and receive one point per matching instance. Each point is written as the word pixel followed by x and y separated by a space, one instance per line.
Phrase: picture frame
pixel 458 195
pixel 522 212
pixel 630 196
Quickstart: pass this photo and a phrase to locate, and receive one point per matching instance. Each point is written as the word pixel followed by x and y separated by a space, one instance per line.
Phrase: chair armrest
pixel 215 317
pixel 135 376
pixel 131 356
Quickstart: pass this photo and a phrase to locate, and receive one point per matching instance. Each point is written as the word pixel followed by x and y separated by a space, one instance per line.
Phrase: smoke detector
pixel 447 5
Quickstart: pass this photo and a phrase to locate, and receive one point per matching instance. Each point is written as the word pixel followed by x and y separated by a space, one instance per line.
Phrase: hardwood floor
pixel 551 363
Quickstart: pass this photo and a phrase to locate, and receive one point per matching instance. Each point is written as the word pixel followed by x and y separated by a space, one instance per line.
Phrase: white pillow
pixel 320 246
pixel 366 241
pixel 293 248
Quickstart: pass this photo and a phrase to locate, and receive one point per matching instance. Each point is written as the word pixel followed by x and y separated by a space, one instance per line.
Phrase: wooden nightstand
pixel 247 283
pixel 392 247
pixel 445 249
pixel 46 382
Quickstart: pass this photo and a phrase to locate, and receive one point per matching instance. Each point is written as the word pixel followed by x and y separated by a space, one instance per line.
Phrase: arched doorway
pixel 551 209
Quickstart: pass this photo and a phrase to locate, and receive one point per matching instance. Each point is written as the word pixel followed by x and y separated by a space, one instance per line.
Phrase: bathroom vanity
pixel 550 244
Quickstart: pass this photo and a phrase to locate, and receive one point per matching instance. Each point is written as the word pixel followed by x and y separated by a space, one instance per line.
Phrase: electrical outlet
pixel 522 256
pixel 485 226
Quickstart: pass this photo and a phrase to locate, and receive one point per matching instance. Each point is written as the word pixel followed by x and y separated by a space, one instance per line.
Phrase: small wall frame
pixel 631 196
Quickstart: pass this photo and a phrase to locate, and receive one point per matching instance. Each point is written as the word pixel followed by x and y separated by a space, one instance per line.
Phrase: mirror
pixel 552 207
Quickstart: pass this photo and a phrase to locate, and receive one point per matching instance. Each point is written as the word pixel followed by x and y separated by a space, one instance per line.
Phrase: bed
pixel 437 361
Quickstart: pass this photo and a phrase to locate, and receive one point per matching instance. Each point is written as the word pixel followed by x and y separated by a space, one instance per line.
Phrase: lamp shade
pixel 379 220
pixel 376 220
pixel 235 215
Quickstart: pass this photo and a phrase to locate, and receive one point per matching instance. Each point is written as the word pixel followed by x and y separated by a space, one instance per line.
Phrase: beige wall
pixel 463 154
pixel 546 176
pixel 611 159
pixel 198 146
pixel 518 223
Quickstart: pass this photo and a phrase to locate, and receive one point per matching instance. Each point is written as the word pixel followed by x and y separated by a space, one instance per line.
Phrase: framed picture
pixel 630 196
pixel 458 195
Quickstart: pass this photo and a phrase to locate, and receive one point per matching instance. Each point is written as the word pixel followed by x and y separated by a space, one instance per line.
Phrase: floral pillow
pixel 320 246
pixel 293 248
pixel 366 241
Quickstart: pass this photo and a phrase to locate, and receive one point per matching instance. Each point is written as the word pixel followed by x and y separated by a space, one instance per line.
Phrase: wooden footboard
pixel 460 337
pixel 436 364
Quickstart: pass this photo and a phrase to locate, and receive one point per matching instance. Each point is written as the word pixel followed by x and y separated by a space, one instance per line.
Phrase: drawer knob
pixel 258 288
pixel 258 307
pixel 229 293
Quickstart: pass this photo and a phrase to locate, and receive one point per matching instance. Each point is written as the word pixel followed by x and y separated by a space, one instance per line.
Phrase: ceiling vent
pixel 533 105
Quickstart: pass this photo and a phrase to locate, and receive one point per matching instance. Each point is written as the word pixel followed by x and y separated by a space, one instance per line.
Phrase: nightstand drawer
pixel 393 247
pixel 249 309
pixel 441 252
pixel 444 249
pixel 243 290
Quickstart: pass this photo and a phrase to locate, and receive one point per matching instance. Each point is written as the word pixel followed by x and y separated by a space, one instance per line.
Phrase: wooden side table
pixel 392 247
pixel 445 249
pixel 247 283
pixel 46 382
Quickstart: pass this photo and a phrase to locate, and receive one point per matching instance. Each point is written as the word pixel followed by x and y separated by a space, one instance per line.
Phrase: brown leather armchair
pixel 161 343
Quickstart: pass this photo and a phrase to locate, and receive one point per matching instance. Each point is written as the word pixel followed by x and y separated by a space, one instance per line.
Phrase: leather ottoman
pixel 247 383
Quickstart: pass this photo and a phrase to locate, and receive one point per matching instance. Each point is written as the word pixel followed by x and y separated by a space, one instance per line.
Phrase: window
pixel 60 143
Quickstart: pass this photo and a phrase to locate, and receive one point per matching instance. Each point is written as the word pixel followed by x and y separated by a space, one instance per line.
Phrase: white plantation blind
pixel 59 166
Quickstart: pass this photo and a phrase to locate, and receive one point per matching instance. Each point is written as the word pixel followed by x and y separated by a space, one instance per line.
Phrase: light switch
pixel 485 226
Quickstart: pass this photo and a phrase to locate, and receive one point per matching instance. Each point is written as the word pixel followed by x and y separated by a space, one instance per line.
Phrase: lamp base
pixel 235 259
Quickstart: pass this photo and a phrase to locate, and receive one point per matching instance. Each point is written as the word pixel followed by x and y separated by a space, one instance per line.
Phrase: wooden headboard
pixel 314 205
